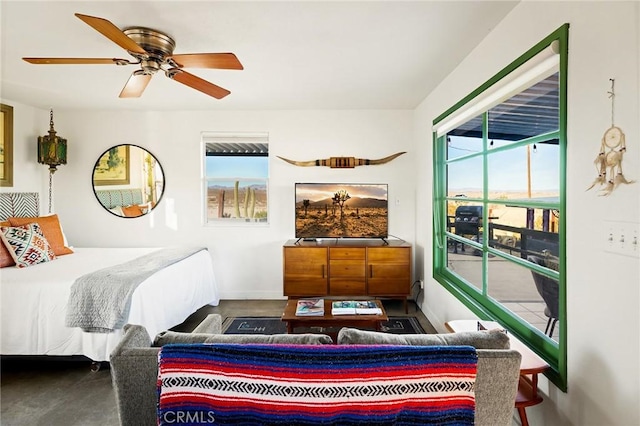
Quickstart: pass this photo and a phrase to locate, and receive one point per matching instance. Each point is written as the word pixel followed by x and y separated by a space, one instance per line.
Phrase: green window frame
pixel 473 124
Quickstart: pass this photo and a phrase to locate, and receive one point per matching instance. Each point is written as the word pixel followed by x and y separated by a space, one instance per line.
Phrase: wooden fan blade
pixel 227 61
pixel 135 85
pixel 197 83
pixel 112 32
pixel 75 61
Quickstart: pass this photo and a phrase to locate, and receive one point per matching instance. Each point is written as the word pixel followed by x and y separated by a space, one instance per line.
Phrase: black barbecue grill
pixel 468 222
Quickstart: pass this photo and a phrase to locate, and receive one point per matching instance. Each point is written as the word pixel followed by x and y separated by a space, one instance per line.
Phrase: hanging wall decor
pixel 342 162
pixel 609 160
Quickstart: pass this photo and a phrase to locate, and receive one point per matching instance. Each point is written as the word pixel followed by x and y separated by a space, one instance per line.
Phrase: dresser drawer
pixel 358 253
pixel 346 268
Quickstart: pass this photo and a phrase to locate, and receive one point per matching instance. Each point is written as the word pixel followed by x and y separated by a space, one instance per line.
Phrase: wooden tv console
pixel 342 268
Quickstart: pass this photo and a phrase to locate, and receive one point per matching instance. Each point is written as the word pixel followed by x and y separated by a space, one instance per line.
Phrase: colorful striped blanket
pixel 224 384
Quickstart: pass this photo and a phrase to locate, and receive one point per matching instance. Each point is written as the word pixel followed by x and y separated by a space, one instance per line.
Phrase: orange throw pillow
pixel 5 256
pixel 132 211
pixel 50 226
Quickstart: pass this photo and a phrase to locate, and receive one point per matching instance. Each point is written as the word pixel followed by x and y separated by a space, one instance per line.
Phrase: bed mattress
pixel 33 301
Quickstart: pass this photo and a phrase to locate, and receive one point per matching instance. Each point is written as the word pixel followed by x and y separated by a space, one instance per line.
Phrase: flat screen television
pixel 341 210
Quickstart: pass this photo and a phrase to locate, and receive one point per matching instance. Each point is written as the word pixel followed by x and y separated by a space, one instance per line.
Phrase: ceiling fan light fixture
pixel 153 51
pixel 122 62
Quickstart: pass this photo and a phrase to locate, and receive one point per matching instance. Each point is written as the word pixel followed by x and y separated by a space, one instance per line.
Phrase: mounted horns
pixel 342 162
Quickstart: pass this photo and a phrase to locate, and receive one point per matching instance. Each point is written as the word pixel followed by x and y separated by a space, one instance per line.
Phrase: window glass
pixel 466 262
pixel 531 171
pixel 531 112
pixel 499 177
pixel 529 295
pixel 465 139
pixel 236 173
pixel 464 178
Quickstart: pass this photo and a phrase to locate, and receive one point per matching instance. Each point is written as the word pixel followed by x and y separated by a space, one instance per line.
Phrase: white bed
pixel 33 301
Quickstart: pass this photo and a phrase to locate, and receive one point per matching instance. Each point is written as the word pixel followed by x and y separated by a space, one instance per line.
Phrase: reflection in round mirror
pixel 128 180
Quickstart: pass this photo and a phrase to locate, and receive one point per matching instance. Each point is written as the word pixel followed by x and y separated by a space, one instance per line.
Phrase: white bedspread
pixel 33 301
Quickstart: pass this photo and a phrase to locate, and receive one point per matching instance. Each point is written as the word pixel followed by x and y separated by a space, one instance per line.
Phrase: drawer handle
pixel 322 271
pixel 370 271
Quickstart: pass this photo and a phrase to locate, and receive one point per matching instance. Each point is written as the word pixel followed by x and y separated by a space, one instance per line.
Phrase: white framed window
pixel 235 178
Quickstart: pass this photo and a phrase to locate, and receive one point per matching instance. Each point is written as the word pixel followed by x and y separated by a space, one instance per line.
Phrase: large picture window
pixel 236 175
pixel 499 197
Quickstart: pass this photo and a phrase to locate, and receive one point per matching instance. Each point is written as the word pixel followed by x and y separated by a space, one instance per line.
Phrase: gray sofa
pixel 134 364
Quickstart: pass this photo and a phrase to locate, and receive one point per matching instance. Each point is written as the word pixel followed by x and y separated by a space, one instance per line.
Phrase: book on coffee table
pixel 355 307
pixel 310 307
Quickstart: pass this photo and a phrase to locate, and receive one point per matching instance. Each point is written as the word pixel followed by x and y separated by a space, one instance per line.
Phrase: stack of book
pixel 310 307
pixel 353 307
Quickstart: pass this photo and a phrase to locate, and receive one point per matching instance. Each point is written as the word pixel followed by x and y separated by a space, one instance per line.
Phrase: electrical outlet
pixel 422 284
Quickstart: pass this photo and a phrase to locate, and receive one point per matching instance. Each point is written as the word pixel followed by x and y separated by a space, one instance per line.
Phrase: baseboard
pixel 254 295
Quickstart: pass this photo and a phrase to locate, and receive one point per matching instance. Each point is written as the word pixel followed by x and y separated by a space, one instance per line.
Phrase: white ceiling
pixel 296 54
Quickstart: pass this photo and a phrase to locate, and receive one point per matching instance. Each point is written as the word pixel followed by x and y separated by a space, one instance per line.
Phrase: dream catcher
pixel 609 160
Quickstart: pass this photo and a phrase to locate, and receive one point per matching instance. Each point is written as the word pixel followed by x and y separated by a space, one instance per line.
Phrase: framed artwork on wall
pixel 6 145
pixel 112 168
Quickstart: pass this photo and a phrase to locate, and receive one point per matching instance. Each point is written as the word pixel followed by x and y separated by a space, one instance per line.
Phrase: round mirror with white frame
pixel 128 181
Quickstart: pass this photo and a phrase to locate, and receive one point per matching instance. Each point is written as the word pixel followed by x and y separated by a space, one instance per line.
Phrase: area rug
pixel 274 325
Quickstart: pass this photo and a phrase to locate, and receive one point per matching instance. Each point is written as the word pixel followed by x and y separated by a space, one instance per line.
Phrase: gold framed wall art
pixel 112 168
pixel 6 145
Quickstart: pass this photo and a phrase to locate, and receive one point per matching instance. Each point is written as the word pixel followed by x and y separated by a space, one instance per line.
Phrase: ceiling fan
pixel 153 51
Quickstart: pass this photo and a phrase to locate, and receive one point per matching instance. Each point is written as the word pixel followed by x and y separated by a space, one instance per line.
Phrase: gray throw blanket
pixel 100 301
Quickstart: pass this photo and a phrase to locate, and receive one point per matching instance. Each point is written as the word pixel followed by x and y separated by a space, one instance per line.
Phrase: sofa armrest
pixel 496 386
pixel 134 372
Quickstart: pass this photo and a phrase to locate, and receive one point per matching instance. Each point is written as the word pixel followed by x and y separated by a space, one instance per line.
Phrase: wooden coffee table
pixel 328 320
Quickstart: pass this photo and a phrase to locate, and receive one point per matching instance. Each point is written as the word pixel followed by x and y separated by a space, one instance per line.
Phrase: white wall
pixel 603 324
pixel 603 320
pixel 248 259
pixel 28 124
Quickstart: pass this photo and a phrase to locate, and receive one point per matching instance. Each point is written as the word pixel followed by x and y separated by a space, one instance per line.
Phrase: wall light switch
pixel 622 238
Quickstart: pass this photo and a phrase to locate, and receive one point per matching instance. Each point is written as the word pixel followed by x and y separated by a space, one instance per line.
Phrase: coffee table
pixel 328 320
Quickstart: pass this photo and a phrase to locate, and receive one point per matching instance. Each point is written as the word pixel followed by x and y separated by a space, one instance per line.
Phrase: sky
pixel 507 169
pixel 320 191
pixel 237 167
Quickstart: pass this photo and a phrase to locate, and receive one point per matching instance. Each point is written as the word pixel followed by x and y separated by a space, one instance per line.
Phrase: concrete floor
pixel 52 391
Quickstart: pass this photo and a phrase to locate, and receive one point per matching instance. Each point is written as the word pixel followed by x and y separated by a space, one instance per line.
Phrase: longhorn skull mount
pixel 342 162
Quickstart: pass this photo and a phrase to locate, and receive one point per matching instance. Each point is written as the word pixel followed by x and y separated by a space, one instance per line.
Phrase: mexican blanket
pixel 223 384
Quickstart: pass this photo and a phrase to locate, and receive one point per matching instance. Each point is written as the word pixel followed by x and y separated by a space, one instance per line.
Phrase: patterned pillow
pixel 27 244
pixel 51 229
pixel 5 255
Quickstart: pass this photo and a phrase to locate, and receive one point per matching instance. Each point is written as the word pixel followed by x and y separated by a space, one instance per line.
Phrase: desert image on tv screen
pixel 330 210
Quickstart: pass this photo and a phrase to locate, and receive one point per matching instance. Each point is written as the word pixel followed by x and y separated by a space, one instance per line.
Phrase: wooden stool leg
pixel 523 416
